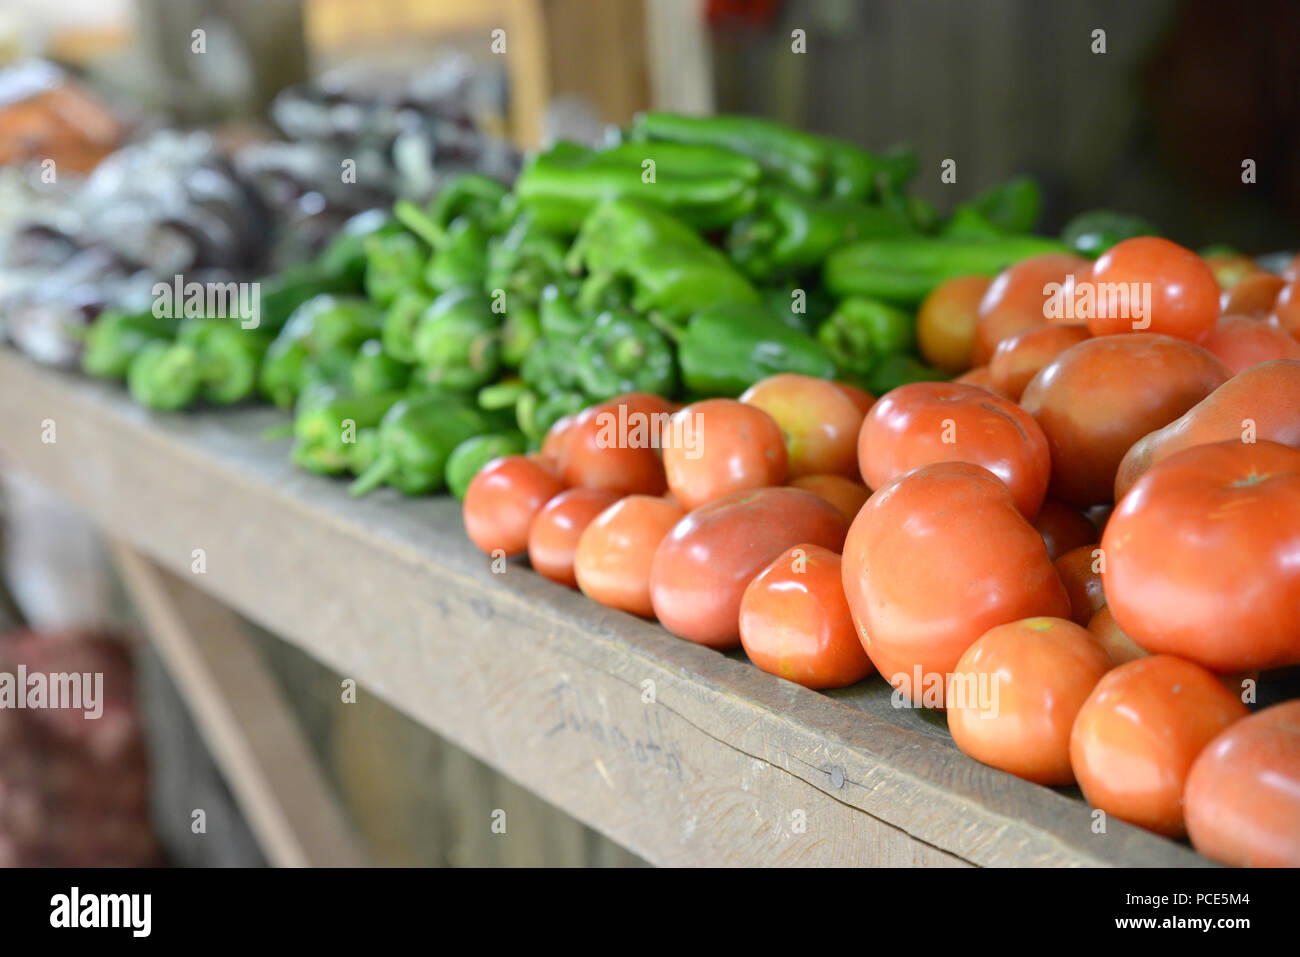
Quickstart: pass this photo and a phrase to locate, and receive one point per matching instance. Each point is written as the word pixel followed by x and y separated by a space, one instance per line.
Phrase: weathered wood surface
pixel 725 765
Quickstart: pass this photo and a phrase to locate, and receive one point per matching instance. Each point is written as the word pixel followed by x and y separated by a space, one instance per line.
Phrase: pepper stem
pixel 418 222
pixel 374 476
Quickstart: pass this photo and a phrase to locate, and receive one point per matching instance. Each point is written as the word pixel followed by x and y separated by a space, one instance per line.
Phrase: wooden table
pixel 681 754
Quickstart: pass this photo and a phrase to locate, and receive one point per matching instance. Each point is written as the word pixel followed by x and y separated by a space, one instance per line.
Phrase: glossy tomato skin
pixel 614 445
pixel 1203 557
pixel 555 530
pixel 728 447
pixel 978 376
pixel 819 420
pixel 1014 695
pixel 845 494
pixel 1018 359
pixel 1063 528
pixel 503 499
pixel 945 323
pixel 936 558
pixel 1255 293
pixel 703 566
pixel 928 422
pixel 1241 342
pixel 1020 298
pixel 1243 792
pixel 1080 571
pixel 1286 308
pixel 1136 736
pixel 612 563
pixel 861 398
pixel 1121 648
pixel 1097 398
pixel 795 623
pixel 1184 292
pixel 1259 403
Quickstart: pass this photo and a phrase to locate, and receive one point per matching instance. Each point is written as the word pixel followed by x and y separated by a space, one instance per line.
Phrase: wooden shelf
pixel 726 765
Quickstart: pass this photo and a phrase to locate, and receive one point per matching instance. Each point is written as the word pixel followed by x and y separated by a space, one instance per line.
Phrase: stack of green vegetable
pixel 692 258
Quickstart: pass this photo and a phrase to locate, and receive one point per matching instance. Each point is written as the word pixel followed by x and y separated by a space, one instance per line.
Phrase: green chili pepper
pixel 860 332
pixel 522 327
pixel 852 173
pixel 229 356
pixel 903 271
pixel 895 168
pixel 326 432
pixel 601 291
pixel 559 317
pixel 468 458
pixel 790 233
pixel 165 376
pixel 393 263
pixel 624 353
pixel 800 305
pixel 457 341
pixel 373 370
pixel 115 337
pixel 895 370
pixel 1009 208
pixel 792 157
pixel 470 196
pixel 333 322
pixel 416 437
pixel 729 347
pixel 398 332
pixel 705 187
pixel 1092 233
pixel 462 261
pixel 524 260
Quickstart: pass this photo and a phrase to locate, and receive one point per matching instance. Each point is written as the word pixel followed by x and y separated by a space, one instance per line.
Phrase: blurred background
pixel 208 136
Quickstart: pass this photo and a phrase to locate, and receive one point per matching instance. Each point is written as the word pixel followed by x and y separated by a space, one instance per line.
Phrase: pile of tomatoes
pixel 1085 549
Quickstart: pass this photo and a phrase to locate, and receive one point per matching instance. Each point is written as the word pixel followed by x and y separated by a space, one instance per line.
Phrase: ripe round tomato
pixel 979 376
pixel 1203 557
pixel 819 420
pixel 1080 571
pixel 702 567
pixel 612 564
pixel 1017 359
pixel 1286 309
pixel 502 500
pixel 927 422
pixel 557 437
pixel 1241 342
pixel 615 445
pixel 1016 691
pixel 1136 736
pixel 726 447
pixel 1255 292
pixel 1096 399
pixel 860 397
pixel 1021 298
pixel 1118 645
pixel 945 324
pixel 1231 269
pixel 795 623
pixel 936 558
pixel 845 494
pixel 1063 528
pixel 1243 792
pixel 1184 293
pixel 1259 403
pixel 556 528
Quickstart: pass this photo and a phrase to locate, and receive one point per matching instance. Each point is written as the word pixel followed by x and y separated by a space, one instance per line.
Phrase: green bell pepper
pixel 229 357
pixel 462 261
pixel 535 415
pixel 522 327
pixel 624 353
pixel 468 458
pixel 400 320
pixel 894 370
pixel 1009 208
pixel 373 370
pixel 327 432
pixel 165 376
pixel 1092 233
pixel 393 263
pixel 115 337
pixel 861 331
pixel 458 342
pixel 416 437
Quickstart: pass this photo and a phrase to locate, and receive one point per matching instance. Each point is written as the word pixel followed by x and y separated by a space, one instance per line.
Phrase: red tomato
pixel 1016 691
pixel 615 445
pixel 1021 298
pixel 1243 792
pixel 502 500
pixel 1255 292
pixel 928 422
pixel 862 399
pixel 1017 360
pixel 979 376
pixel 1184 295
pixel 945 323
pixel 1286 310
pixel 795 623
pixel 727 447
pixel 1231 269
pixel 1242 342
pixel 1259 403
pixel 1203 557
pixel 557 437
pixel 702 567
pixel 554 533
pixel 936 558
pixel 1063 528
pixel 612 564
pixel 1080 571
pixel 1136 736
pixel 845 494
pixel 819 420
pixel 1118 645
pixel 1097 398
